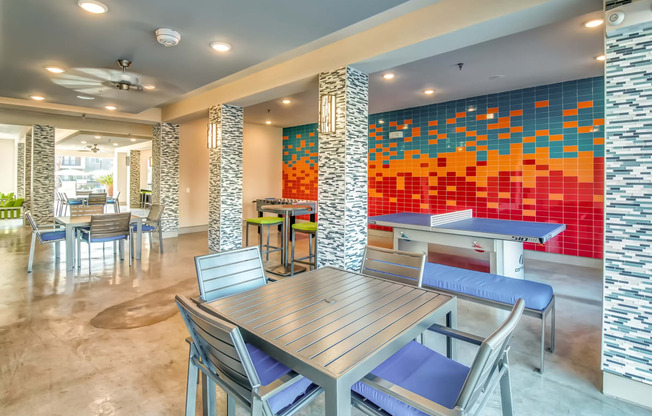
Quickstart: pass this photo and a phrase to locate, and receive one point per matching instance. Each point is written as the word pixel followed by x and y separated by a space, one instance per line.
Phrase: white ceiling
pixel 553 53
pixel 13 132
pixel 105 142
pixel 36 33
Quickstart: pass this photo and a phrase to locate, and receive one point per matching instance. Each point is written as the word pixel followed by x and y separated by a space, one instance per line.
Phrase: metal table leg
pixel 70 247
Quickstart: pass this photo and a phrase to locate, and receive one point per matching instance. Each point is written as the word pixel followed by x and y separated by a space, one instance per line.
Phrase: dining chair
pixel 52 234
pixel 399 266
pixel 96 199
pixel 115 201
pixel 417 380
pixel 67 202
pixel 152 224
pixel 104 228
pixel 246 374
pixel 85 210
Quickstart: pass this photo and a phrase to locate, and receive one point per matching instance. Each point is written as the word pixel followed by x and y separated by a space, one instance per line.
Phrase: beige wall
pixel 145 154
pixel 262 165
pixel 193 173
pixel 7 166
pixel 120 179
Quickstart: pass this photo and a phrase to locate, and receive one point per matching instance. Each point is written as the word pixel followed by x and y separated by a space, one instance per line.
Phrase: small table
pixel 334 326
pixel 287 211
pixel 71 223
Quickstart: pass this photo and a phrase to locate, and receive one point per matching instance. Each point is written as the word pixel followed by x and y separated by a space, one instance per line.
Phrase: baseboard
pixel 170 234
pixel 627 389
pixel 193 229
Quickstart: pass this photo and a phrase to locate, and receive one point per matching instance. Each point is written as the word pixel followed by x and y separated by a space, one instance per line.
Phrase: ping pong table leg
pixel 507 259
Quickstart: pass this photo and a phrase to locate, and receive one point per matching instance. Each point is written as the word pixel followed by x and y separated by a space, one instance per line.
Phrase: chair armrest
pixel 457 334
pixel 406 396
pixel 285 381
pixel 54 227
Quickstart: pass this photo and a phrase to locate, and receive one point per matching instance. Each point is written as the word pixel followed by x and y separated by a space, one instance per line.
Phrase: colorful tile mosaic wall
pixel 535 154
pixel 300 161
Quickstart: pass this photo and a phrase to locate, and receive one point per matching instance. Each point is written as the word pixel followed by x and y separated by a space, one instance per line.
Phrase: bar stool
pixel 309 228
pixel 262 222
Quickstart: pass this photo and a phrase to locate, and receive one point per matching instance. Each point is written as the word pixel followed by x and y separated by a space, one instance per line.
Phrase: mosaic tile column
pixel 342 174
pixel 134 178
pixel 20 170
pixel 165 174
pixel 225 179
pixel 627 308
pixel 42 187
pixel 27 175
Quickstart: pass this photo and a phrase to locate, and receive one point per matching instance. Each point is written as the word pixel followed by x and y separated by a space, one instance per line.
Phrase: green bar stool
pixel 309 228
pixel 261 223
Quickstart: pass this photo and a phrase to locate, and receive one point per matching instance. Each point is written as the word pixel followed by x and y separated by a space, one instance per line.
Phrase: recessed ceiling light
pixel 84 142
pixel 115 144
pixel 268 122
pixel 93 6
pixel 85 97
pixel 98 137
pixel 110 107
pixel 149 87
pixel 286 101
pixel 38 97
pixel 388 75
pixel 429 92
pixel 594 23
pixel 55 69
pixel 221 46
pixel 600 58
pixel 133 140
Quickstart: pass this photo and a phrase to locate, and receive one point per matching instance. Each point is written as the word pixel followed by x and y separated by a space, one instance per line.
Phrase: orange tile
pixel 540 104
pixel 598 140
pixel 529 139
pixel 392 199
pixel 312 134
pixel 379 138
pixel 451 203
pixel 481 194
pixel 542 132
pixel 504 195
pixel 298 136
pixel 516 113
pixel 460 115
pixel 372 126
pixel 432 192
pixel 379 145
pixel 492 110
pixel 393 144
pixel 409 121
pixel 289 146
pixel 432 123
pixel 529 213
pixel 556 197
pixel 432 141
pixel 450 120
pixel 529 201
pixel 517 129
pixel 460 129
pixel 571 112
pixel 392 153
pixel 492 126
pixel 556 137
pixel 424 206
pixel 408 139
pixel 585 129
pixel 372 134
pixel 416 196
pixel 570 148
pixel 598 198
pixel 481 148
pixel 379 130
pixel 481 117
pixel 286 153
pixel 432 132
pixel 585 104
pixel 392 123
pixel 451 188
pixel 504 135
pixel 598 122
pixel 516 179
pixel 470 133
pixel 570 124
pixel 492 205
pixel 416 131
pixel 285 137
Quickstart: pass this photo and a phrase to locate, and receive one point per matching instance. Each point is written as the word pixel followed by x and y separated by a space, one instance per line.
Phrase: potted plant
pixel 107 180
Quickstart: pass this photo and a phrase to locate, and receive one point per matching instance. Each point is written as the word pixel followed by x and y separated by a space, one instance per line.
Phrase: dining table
pixel 71 224
pixel 288 211
pixel 334 326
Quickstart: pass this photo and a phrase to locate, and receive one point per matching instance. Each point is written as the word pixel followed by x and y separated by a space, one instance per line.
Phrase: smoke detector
pixel 167 37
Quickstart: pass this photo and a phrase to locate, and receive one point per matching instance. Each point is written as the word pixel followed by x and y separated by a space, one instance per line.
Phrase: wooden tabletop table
pixel 72 223
pixel 334 326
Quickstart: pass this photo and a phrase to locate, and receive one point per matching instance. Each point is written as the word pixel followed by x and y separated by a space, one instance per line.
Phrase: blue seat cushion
pixel 75 202
pixel 145 227
pixel 270 370
pixel 488 286
pixel 53 235
pixel 85 234
pixel 421 371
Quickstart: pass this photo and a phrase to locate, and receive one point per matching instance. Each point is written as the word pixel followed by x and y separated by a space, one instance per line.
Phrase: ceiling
pixel 548 54
pixel 37 33
pixel 13 132
pixel 105 142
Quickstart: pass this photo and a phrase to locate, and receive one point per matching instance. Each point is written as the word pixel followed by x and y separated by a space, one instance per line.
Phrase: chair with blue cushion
pixel 67 202
pixel 246 374
pixel 105 228
pixel 153 224
pixel 45 235
pixel 418 381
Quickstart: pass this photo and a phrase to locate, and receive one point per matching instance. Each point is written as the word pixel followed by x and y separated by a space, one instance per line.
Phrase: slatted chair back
pixel 96 199
pixel 222 350
pixel 489 359
pixel 155 213
pixel 400 266
pixel 229 272
pixel 31 221
pixel 85 210
pixel 110 225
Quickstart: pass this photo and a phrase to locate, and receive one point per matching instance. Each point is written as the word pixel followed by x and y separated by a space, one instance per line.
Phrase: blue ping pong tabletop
pixel 525 231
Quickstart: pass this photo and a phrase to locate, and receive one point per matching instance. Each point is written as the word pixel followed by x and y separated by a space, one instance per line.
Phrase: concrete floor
pixel 113 343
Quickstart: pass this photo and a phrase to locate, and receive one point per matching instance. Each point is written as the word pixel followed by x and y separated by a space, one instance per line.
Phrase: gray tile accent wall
pixel 27 205
pixel 343 155
pixel 627 308
pixel 165 173
pixel 225 180
pixel 134 178
pixel 42 191
pixel 20 170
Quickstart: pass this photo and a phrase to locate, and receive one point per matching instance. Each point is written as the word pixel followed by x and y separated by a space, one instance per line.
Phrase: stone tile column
pixel 42 188
pixel 134 178
pixel 27 175
pixel 342 232
pixel 165 174
pixel 225 179
pixel 20 170
pixel 627 322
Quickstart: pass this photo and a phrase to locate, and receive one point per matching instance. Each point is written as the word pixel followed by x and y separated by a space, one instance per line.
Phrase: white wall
pixel 262 165
pixel 120 180
pixel 7 166
pixel 193 173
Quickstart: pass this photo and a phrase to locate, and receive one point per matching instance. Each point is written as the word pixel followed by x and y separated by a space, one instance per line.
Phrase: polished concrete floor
pixel 112 343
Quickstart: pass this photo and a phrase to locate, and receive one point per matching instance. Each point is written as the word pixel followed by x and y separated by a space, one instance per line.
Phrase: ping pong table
pixel 502 239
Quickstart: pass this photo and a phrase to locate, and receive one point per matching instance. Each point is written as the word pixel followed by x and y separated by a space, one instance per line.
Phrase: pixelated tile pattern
pixel 300 162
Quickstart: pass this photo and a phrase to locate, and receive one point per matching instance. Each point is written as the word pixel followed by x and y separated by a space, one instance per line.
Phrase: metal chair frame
pixel 490 368
pixel 399 266
pixel 154 219
pixel 309 260
pixel 115 201
pixel 103 226
pixel 268 248
pixel 37 234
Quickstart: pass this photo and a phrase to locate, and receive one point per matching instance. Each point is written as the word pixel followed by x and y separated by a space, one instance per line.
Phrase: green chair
pixel 261 223
pixel 309 228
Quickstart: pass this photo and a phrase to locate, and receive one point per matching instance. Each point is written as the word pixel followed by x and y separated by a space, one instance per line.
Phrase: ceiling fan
pixel 92 148
pixel 96 81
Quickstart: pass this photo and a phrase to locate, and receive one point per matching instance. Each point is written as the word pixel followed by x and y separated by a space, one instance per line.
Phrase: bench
pixel 12 209
pixel 497 291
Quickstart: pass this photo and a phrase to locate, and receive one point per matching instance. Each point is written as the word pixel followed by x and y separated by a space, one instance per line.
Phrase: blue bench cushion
pixel 145 227
pixel 270 370
pixel 420 370
pixel 488 286
pixel 53 235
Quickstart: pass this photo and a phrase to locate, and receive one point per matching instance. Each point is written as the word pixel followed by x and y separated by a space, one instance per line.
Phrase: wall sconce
pixel 214 135
pixel 327 114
